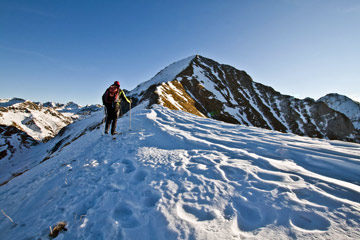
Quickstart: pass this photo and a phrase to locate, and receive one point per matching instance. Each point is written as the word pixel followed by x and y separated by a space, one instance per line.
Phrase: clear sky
pixel 72 50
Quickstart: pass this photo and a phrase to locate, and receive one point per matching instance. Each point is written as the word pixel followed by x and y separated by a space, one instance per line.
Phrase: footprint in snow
pixel 150 198
pixel 249 218
pixel 195 214
pixel 309 221
pixel 233 174
pixel 129 166
pixel 125 166
pixel 125 216
pixel 139 177
pixel 229 212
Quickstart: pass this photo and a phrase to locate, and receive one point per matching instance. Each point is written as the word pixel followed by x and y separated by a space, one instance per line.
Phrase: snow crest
pixel 165 75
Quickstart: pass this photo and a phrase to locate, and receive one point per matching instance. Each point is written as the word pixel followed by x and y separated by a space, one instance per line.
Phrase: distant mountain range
pixel 24 123
pixel 206 88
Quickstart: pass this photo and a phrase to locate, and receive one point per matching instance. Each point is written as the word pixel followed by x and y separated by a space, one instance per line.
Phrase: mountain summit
pixel 203 87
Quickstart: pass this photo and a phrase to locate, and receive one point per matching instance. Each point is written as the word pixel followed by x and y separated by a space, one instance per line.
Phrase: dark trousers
pixel 112 114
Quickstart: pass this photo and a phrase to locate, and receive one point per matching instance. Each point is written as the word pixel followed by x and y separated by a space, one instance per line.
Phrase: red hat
pixel 117 83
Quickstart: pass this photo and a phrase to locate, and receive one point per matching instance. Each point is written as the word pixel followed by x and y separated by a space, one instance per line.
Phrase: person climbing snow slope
pixel 111 100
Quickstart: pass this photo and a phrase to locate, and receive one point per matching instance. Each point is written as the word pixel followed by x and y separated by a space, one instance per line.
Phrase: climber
pixel 111 99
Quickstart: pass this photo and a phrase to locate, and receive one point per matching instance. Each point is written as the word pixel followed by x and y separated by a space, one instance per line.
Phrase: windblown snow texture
pixel 179 176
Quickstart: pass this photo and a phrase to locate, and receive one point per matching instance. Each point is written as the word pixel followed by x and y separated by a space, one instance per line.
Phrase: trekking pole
pixel 104 120
pixel 130 115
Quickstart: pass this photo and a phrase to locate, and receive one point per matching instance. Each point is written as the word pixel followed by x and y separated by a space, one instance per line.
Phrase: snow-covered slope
pixel 21 157
pixel 206 88
pixel 344 105
pixel 24 124
pixel 12 141
pixel 179 176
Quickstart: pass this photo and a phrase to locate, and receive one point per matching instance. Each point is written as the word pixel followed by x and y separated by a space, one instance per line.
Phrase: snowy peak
pixel 167 74
pixel 10 102
pixel 206 88
pixel 71 106
pixel 345 105
pixel 73 110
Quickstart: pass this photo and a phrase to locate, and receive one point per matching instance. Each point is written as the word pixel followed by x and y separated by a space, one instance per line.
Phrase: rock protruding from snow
pixel 345 105
pixel 204 87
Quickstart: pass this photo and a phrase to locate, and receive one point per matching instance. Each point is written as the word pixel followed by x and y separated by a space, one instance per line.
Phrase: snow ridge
pixel 165 75
pixel 179 176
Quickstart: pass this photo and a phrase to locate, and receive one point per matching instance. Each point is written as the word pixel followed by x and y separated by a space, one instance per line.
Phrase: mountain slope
pixel 23 153
pixel 344 105
pixel 179 176
pixel 206 88
pixel 41 123
pixel 12 141
pixel 24 124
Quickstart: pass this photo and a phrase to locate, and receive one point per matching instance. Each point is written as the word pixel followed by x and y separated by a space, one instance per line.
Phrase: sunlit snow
pixel 179 176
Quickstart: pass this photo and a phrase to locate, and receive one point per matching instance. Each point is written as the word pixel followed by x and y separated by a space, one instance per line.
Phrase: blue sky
pixel 65 50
